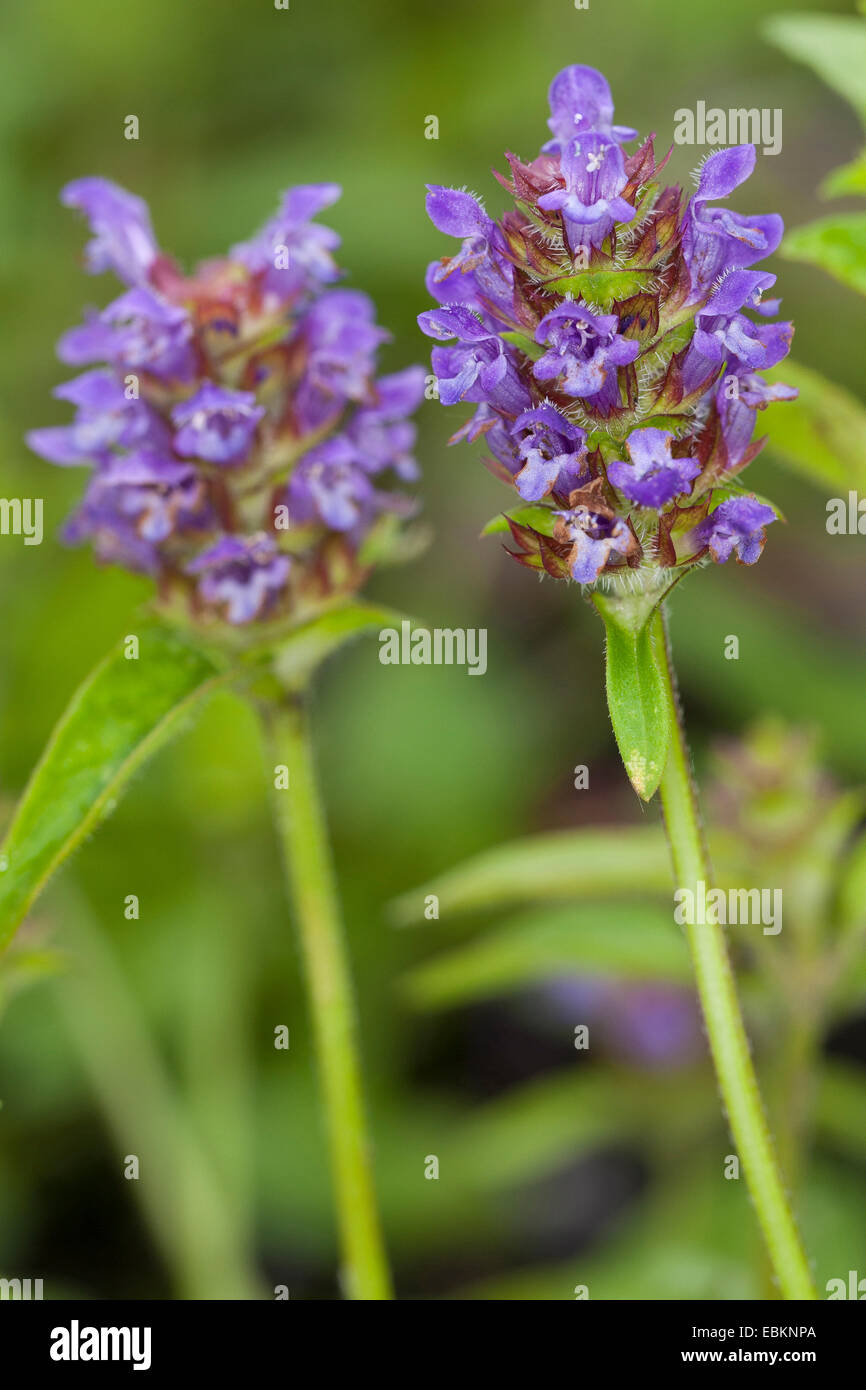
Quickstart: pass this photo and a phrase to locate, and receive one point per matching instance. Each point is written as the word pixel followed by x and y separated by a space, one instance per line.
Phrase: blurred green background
pixel 421 766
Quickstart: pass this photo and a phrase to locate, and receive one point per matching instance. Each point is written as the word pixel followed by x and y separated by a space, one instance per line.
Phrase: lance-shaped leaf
pixel 835 244
pixel 563 864
pixel 636 688
pixel 834 46
pixel 821 434
pixel 627 941
pixel 121 714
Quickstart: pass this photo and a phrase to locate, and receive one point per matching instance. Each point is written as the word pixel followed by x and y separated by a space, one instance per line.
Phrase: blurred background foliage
pixel 155 1036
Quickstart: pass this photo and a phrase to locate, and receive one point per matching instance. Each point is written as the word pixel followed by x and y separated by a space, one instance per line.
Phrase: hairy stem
pixel 301 825
pixel 724 1021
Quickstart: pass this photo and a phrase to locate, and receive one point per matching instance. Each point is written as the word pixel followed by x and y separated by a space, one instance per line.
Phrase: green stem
pixel 301 825
pixel 724 1022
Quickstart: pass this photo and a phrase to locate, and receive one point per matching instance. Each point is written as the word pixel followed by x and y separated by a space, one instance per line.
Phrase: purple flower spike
pixel 583 349
pixel 553 453
pixel 216 425
pixel 123 238
pixel 653 477
pixel 737 526
pixel 230 407
pixel 716 239
pixel 572 369
pixel 243 575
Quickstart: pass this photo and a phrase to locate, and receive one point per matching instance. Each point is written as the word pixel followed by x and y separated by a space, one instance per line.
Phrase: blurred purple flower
pixel 221 393
pixel 242 574
pixel 216 425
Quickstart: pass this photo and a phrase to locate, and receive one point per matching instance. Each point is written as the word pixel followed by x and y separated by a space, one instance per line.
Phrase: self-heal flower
pixel 242 448
pixel 653 477
pixel 580 100
pixel 480 270
pixel 553 451
pixel 583 349
pixel 155 491
pixel 593 168
pixel 216 425
pixel 242 575
pixel 717 239
pixel 292 254
pixel 140 330
pixel 481 369
pixel 107 416
pixel 612 338
pixel 123 238
pixel 591 534
pixel 722 330
pixel 631 318
pixel 737 527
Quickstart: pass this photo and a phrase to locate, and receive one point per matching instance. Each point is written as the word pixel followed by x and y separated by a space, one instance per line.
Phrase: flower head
pixel 612 335
pixel 240 442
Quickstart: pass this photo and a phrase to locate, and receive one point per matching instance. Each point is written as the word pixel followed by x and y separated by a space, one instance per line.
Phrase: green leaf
pixel 124 711
pixel 847 181
pixel 835 244
pixel 822 434
pixel 637 695
pixel 834 46
pixel 630 941
pixel 540 518
pixel 564 864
